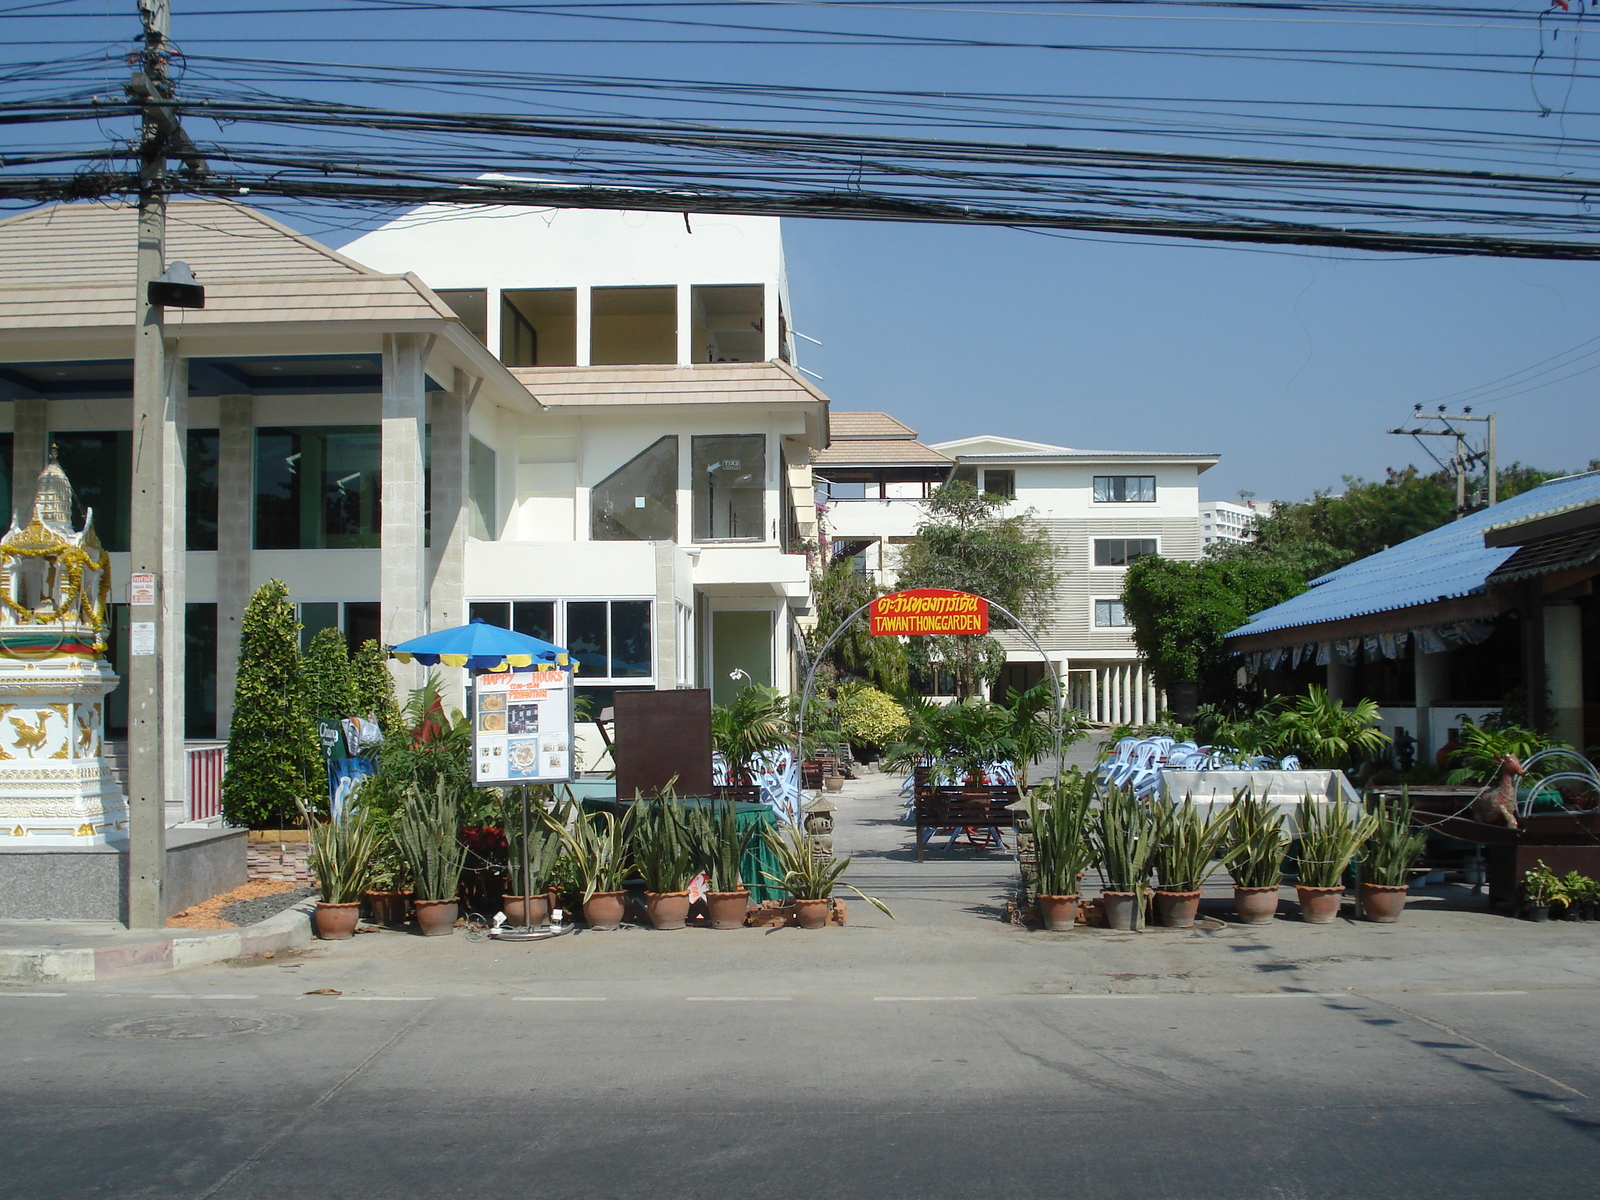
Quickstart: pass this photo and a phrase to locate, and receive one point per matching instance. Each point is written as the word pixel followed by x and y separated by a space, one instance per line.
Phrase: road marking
pixel 561 999
pixel 201 996
pixel 1293 996
pixel 739 999
pixel 918 999
pixel 34 995
pixel 1507 993
pixel 386 998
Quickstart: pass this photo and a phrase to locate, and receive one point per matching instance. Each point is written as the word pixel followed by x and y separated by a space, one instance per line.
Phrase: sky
pixel 1290 364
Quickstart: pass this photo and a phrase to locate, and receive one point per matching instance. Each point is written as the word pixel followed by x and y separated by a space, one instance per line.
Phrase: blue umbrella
pixel 480 646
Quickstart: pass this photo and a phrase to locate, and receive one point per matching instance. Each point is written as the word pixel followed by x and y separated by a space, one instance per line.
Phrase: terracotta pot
pixel 336 922
pixel 1318 905
pixel 811 914
pixel 833 783
pixel 1122 909
pixel 668 910
pixel 1177 910
pixel 1382 903
pixel 387 908
pixel 518 911
pixel 1059 913
pixel 437 918
pixel 603 910
pixel 1255 905
pixel 727 909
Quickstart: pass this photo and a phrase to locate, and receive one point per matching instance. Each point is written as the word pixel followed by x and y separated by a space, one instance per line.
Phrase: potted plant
pixel 1257 844
pixel 1061 846
pixel 810 878
pixel 1189 847
pixel 717 848
pixel 597 844
pixel 426 835
pixel 527 904
pixel 1391 850
pixel 1329 842
pixel 755 722
pixel 387 897
pixel 341 857
pixel 1539 888
pixel 1124 841
pixel 661 853
pixel 1574 896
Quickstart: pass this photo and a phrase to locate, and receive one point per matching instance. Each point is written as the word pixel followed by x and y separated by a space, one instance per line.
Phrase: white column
pixel 686 347
pixel 1094 694
pixel 664 616
pixel 1116 716
pixel 493 310
pixel 1432 676
pixel 1136 674
pixel 1563 670
pixel 235 506
pixel 403 590
pixel 585 324
pixel 769 322
pixel 447 548
pixel 1151 704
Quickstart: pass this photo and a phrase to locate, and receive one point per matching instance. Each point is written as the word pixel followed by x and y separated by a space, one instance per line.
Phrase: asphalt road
pixel 189 1091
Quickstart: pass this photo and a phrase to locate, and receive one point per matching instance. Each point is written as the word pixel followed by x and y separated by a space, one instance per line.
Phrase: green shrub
pixel 870 717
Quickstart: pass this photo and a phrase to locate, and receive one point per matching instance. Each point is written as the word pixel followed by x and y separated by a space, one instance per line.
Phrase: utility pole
pixel 1464 457
pixel 161 137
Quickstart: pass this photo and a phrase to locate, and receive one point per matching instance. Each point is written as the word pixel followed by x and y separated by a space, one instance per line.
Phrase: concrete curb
pixel 289 930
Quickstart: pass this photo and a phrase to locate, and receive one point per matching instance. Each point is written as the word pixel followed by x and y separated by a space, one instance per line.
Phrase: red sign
pixel 929 610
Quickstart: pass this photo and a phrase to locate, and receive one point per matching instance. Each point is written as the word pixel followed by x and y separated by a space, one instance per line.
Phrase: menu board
pixel 522 727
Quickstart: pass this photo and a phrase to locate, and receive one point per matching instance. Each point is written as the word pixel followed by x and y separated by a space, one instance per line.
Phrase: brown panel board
pixel 662 735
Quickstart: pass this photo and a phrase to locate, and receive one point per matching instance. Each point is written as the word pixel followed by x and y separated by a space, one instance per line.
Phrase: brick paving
pixel 280 862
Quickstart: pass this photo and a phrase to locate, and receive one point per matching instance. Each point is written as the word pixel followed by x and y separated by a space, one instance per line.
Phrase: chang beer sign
pixel 928 611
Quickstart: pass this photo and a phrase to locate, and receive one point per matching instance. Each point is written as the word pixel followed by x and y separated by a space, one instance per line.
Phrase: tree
pixel 274 759
pixel 839 591
pixel 374 686
pixel 964 544
pixel 329 685
pixel 1180 612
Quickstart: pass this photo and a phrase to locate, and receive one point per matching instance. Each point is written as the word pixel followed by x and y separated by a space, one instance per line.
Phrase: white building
pixel 1229 524
pixel 591 431
pixel 1103 509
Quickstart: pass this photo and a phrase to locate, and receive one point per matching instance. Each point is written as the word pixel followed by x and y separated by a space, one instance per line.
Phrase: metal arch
pixel 811 674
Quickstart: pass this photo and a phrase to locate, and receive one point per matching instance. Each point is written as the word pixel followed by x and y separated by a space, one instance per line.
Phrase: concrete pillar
pixel 30 451
pixel 1136 682
pixel 769 323
pixel 1534 676
pixel 1432 676
pixel 1341 679
pixel 585 325
pixel 665 616
pixel 1563 669
pixel 1094 694
pixel 174 560
pixel 687 351
pixel 235 524
pixel 403 590
pixel 447 541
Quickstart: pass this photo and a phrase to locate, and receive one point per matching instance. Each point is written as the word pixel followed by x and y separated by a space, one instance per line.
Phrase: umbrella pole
pixel 527 887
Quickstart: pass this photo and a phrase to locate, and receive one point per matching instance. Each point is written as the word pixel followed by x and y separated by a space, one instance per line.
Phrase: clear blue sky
pixel 1290 365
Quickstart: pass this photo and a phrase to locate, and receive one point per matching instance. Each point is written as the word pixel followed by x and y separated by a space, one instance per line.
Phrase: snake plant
pixel 716 844
pixel 1189 845
pixel 661 846
pixel 426 833
pixel 1393 845
pixel 597 844
pixel 342 852
pixel 1256 841
pixel 544 848
pixel 1124 840
pixel 804 874
pixel 1061 833
pixel 1329 840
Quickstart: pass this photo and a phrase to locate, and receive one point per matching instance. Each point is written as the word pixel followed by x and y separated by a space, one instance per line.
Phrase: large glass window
pixel 1001 483
pixel 730 488
pixel 1109 614
pixel 318 487
pixel 1124 489
pixel 728 323
pixel 1119 552
pixel 629 325
pixel 200 671
pixel 539 327
pixel 610 639
pixel 201 501
pixel 472 306
pixel 100 466
pixel 360 621
pixel 482 519
pixel 638 502
pixel 535 618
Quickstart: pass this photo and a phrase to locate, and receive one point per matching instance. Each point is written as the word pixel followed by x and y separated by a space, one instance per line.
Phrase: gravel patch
pixel 248 912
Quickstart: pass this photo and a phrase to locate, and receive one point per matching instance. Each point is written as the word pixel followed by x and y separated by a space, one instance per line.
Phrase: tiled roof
pixel 703 383
pixel 898 452
pixel 1563 552
pixel 1443 564
pixel 868 426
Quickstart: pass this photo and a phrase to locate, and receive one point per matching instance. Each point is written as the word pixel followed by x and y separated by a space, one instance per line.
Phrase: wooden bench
pixel 962 808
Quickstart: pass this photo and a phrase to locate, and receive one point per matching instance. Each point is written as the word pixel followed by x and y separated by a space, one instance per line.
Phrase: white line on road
pixel 386 997
pixel 1505 993
pixel 1293 996
pixel 1115 995
pixel 33 995
pixel 561 999
pixel 739 999
pixel 917 999
pixel 201 996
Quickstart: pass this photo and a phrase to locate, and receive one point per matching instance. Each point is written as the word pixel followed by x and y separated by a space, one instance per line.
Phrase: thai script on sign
pixel 929 610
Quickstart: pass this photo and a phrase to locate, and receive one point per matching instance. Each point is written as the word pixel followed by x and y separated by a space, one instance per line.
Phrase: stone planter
pixel 1382 903
pixel 437 918
pixel 1177 910
pixel 1255 905
pixel 336 922
pixel 667 910
pixel 1059 913
pixel 1319 906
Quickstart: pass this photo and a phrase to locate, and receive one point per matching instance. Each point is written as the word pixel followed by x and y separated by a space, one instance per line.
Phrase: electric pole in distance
pixel 1464 458
pixel 155 467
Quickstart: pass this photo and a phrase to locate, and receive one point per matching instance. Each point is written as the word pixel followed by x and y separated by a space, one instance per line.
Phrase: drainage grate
pixel 186 1026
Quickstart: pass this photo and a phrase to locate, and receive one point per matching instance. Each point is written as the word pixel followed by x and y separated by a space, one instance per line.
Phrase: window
pixel 472 306
pixel 1119 552
pixel 730 488
pixel 1001 483
pixel 1109 614
pixel 360 621
pixel 1124 489
pixel 100 466
pixel 535 618
pixel 610 639
pixel 318 488
pixel 638 502
pixel 481 515
pixel 633 325
pixel 200 671
pixel 201 488
pixel 539 327
pixel 727 323
pixel 5 469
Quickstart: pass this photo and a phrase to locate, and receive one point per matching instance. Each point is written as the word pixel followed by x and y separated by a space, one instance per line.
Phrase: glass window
pixel 472 306
pixel 363 623
pixel 633 325
pixel 630 639
pixel 1119 552
pixel 1124 489
pixel 535 618
pixel 1109 614
pixel 587 641
pixel 539 327
pixel 318 487
pixel 727 323
pixel 201 498
pixel 200 671
pixel 100 466
pixel 638 502
pixel 5 468
pixel 491 612
pixel 315 616
pixel 481 516
pixel 1000 483
pixel 730 488
pixel 965 475
pixel 610 639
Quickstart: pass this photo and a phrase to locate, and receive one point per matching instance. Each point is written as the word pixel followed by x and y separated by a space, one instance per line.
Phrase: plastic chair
pixel 1290 763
